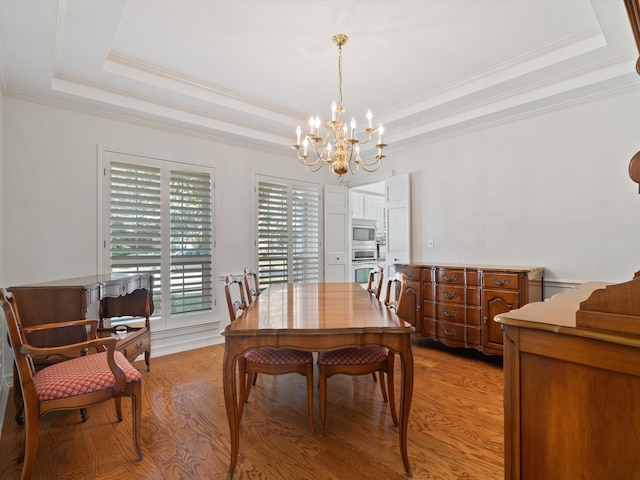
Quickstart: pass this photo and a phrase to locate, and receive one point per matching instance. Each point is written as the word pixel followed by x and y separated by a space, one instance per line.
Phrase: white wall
pixel 51 185
pixel 51 172
pixel 551 190
pixel 6 356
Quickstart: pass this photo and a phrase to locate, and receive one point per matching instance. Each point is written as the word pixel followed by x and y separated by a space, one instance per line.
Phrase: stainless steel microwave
pixel 363 231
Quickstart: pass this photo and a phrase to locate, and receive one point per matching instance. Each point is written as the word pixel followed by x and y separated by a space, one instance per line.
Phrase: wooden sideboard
pixel 456 304
pixel 572 384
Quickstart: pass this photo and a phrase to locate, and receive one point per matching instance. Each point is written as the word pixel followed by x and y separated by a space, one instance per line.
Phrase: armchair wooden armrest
pixel 97 343
pixel 91 322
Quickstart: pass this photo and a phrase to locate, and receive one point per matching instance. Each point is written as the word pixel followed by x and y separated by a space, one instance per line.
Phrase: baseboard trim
pixel 4 398
pixel 176 341
pixel 553 287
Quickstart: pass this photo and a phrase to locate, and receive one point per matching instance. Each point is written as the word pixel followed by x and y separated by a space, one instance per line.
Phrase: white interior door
pixel 398 211
pixel 336 238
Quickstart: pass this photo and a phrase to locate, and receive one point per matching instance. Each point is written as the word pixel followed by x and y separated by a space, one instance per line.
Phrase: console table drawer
pixel 132 342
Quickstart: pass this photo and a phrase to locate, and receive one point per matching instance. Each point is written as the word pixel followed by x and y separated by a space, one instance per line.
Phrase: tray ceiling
pixel 250 71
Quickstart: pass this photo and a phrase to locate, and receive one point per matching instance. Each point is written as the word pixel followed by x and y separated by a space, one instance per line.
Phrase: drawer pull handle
pixel 139 345
pixel 451 333
pixel 453 277
pixel 450 295
pixel 450 314
pixel 500 283
pixel 410 275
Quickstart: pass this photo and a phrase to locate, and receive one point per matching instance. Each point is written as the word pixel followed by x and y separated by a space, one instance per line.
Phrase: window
pixel 288 230
pixel 159 219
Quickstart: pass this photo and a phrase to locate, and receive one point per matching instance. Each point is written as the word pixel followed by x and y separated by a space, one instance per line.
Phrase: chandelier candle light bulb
pixel 338 149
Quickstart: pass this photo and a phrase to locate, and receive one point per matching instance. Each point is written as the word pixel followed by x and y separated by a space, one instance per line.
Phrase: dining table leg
pixel 231 404
pixel 406 393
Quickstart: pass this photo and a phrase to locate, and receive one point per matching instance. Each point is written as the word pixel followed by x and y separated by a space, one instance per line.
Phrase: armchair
pixel 86 379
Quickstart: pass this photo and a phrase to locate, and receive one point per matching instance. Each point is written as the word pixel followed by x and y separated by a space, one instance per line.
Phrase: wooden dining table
pixel 316 317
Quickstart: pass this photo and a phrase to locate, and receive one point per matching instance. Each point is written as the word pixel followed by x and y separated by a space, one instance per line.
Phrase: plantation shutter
pixel 288 232
pixel 135 228
pixel 161 222
pixel 273 233
pixel 305 229
pixel 191 241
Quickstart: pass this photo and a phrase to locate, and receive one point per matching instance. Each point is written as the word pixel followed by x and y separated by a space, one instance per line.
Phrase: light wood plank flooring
pixel 455 426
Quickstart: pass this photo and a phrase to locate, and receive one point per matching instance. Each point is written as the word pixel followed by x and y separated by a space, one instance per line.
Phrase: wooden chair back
pixel 251 284
pixel 374 286
pixel 395 292
pixel 51 305
pixel 234 290
pixel 18 340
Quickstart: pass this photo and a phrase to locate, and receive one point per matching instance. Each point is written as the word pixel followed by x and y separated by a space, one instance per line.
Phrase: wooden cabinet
pixel 456 304
pixel 100 296
pixel 572 383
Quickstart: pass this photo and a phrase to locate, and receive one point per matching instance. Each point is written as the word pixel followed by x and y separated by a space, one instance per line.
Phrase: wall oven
pixel 363 260
pixel 361 269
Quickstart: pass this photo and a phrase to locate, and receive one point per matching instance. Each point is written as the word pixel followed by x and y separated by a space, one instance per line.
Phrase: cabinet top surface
pixel 88 281
pixel 560 310
pixel 502 268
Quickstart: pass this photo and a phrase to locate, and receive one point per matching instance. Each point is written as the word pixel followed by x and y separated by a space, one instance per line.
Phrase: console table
pixel 97 296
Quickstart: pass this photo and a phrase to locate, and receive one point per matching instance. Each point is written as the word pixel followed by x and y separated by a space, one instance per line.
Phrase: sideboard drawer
pixel 412 273
pixel 450 331
pixel 450 293
pixel 450 276
pixel 501 280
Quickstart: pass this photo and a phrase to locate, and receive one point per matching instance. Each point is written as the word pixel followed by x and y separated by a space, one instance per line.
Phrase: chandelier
pixel 340 148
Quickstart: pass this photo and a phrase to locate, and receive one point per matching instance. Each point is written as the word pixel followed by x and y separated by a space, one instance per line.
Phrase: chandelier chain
pixel 340 74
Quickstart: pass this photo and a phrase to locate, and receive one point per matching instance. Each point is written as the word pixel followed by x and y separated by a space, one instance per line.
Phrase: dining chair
pixel 95 372
pixel 374 285
pixel 267 361
pixel 362 361
pixel 252 284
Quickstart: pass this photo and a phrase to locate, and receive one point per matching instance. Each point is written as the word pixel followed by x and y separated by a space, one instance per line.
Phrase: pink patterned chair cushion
pixel 80 376
pixel 279 357
pixel 353 356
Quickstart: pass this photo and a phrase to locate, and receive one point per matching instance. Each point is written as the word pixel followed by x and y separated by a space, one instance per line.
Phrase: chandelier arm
pixel 310 166
pixel 321 156
pixel 304 162
pixel 377 159
pixel 377 163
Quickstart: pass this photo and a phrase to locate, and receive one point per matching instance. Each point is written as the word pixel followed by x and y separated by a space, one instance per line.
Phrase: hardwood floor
pixel 455 426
